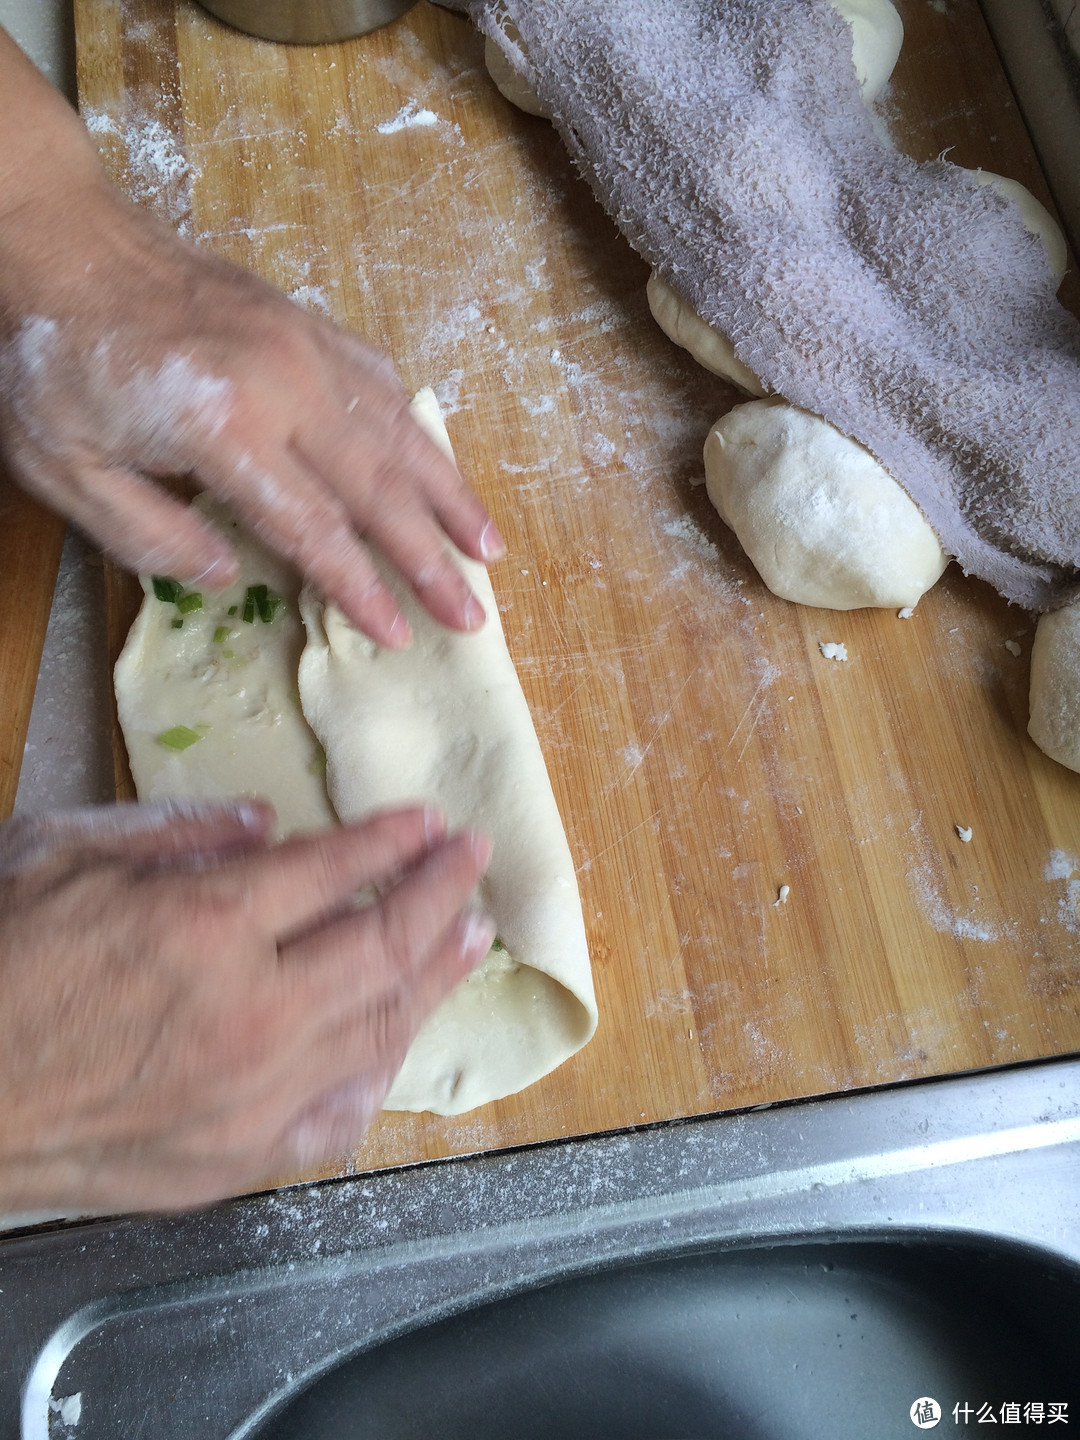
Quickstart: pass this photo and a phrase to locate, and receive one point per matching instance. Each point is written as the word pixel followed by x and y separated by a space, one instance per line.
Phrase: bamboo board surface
pixel 702 750
pixel 31 538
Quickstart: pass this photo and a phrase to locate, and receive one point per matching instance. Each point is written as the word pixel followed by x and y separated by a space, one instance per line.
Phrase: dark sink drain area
pixel 792 1342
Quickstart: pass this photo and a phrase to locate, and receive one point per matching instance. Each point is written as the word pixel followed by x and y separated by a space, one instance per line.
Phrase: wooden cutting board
pixel 703 751
pixel 30 542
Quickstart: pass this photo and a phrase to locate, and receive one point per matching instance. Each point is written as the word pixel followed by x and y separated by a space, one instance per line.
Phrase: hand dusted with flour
pixel 902 302
pixel 127 355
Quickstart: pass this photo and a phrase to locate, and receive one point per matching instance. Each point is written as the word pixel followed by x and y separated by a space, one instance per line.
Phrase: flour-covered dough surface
pixel 446 721
pixel 822 521
pixel 443 721
pixel 230 704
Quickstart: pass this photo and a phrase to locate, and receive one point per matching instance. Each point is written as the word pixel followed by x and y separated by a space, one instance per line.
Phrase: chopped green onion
pixel 497 944
pixel 269 605
pixel 179 737
pixel 221 634
pixel 248 614
pixel 229 654
pixel 191 601
pixel 233 609
pixel 167 589
pixel 178 624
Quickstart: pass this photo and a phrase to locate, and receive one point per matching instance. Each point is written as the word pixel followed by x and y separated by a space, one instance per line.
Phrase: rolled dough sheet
pixel 239 695
pixel 446 721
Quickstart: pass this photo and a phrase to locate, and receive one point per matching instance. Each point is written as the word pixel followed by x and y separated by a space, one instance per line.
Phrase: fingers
pixel 425 915
pixel 140 525
pixel 152 831
pixel 379 996
pixel 299 883
pixel 295 513
pixel 401 490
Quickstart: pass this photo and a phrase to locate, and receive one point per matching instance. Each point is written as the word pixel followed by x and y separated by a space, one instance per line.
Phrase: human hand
pixel 188 1012
pixel 128 355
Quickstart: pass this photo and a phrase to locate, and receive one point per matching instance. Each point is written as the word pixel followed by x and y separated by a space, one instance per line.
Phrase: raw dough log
pixel 821 520
pixel 877 33
pixel 712 350
pixel 510 83
pixel 446 720
pixel 239 696
pixel 681 323
pixel 1036 219
pixel 1054 694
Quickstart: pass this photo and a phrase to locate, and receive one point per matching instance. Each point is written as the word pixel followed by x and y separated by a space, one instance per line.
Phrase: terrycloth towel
pixel 903 302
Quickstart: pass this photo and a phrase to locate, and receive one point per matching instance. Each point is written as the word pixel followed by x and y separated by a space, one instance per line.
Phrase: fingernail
pixel 474 613
pixel 492 545
pixel 434 824
pixel 218 574
pixel 252 817
pixel 400 636
pixel 477 936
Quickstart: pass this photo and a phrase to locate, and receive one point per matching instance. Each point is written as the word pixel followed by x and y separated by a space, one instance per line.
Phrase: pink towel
pixel 901 301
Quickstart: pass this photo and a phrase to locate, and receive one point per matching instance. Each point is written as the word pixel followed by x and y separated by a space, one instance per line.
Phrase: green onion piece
pixel 233 609
pixel 270 605
pixel 167 589
pixel 229 654
pixel 178 624
pixel 497 944
pixel 191 601
pixel 221 634
pixel 179 737
pixel 248 615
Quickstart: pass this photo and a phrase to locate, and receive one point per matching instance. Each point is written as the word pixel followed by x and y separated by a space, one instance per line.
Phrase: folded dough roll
pixel 446 721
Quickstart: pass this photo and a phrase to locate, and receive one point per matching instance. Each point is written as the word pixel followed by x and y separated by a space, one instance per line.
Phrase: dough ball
pixel 877 33
pixel 1054 695
pixel 822 521
pixel 681 322
pixel 1035 216
pixel 508 81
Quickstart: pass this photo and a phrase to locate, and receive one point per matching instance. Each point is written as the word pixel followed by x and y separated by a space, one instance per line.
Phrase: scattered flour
pixel 1060 866
pixel 942 916
pixel 69 1408
pixel 409 117
pixel 160 175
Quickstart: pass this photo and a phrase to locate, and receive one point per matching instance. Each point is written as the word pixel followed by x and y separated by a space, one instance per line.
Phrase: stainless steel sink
pixel 809 1270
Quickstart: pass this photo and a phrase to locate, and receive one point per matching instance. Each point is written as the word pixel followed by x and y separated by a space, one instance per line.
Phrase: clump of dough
pixel 709 347
pixel 510 83
pixel 1054 694
pixel 822 521
pixel 877 33
pixel 1034 215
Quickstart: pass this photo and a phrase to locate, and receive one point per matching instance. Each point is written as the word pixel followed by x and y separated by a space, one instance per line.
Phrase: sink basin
pixel 809 1270
pixel 804 1340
